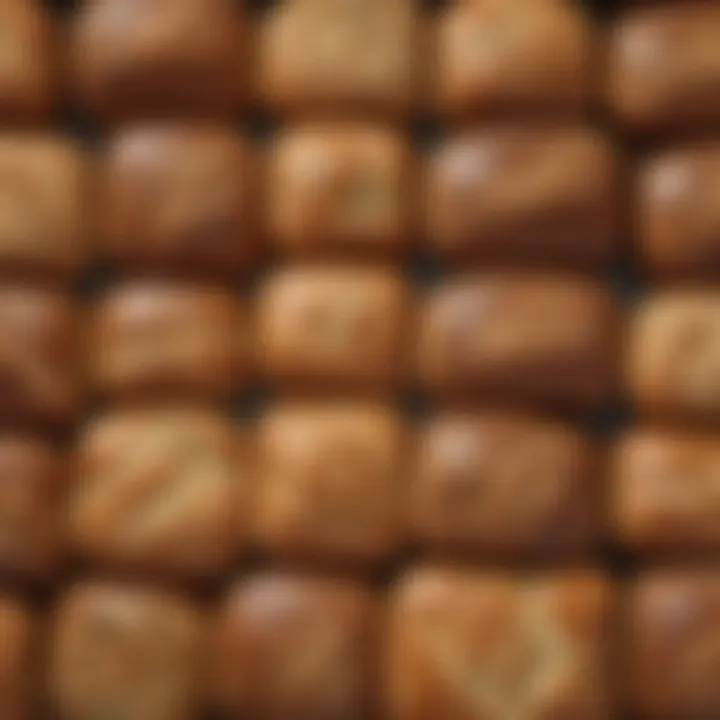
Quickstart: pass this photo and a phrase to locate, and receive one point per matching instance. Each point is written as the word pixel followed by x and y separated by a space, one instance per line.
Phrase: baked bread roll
pixel 331 481
pixel 291 646
pixel 124 651
pixel 160 492
pixel 465 644
pixel 529 340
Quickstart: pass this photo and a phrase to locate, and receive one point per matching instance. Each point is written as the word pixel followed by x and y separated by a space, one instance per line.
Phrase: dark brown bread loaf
pixel 179 198
pixel 154 339
pixel 39 356
pixel 18 667
pixel 159 58
pixel 525 339
pixel 672 641
pixel 664 71
pixel 524 196
pixel 33 482
pixel 289 646
pixel 501 486
pixel 28 63
pixel 677 215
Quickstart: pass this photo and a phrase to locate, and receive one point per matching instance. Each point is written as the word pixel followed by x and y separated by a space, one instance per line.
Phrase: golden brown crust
pixel 678 215
pixel 179 198
pixel 33 478
pixel 332 482
pixel 333 329
pixel 519 338
pixel 159 491
pixel 666 489
pixel 39 349
pixel 322 58
pixel 17 661
pixel 524 195
pixel 27 57
pixel 495 647
pixel 673 359
pixel 292 647
pixel 501 484
pixel 169 339
pixel 124 651
pixel 164 58
pixel 44 209
pixel 665 68
pixel 340 191
pixel 497 57
pixel 673 633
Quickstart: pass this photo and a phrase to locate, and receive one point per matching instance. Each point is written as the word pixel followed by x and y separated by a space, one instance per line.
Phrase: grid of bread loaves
pixel 359 360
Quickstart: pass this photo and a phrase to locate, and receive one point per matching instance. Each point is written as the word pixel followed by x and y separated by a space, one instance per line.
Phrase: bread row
pixel 552 342
pixel 657 69
pixel 199 199
pixel 184 493
pixel 444 643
